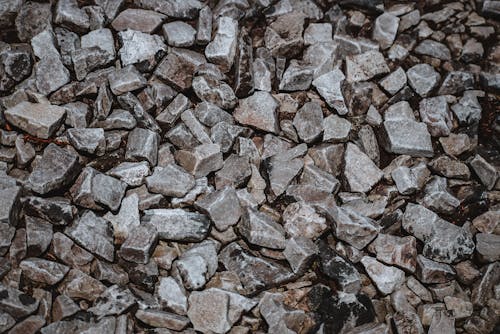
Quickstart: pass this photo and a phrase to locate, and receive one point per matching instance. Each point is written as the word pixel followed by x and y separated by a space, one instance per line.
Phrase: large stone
pixel 56 169
pixel 430 272
pixel 198 264
pixel 387 279
pixel 434 49
pixel 11 206
pixel 222 49
pixel 300 219
pixel 210 89
pixel 179 34
pixel 365 66
pixel 171 180
pixel 142 144
pixel 139 244
pixel 309 122
pixel 43 271
pixel 113 301
pixel 259 111
pixel 16 303
pixel 126 80
pixel 435 113
pixel 260 229
pixel 488 246
pixel 298 76
pixel 172 295
pixel 300 252
pixel 423 79
pixel 70 15
pixel 127 218
pixel 360 171
pixel 88 140
pixel 178 67
pixel 38 119
pixel 385 29
pixel 202 160
pixel 141 49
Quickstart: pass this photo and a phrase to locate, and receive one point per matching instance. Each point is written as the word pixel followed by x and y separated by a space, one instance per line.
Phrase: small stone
pixel 399 142
pixel 318 33
pixel 94 234
pixel 196 128
pixel 43 271
pixel 329 86
pixel 486 172
pixel 103 103
pixel 393 250
pixel 113 301
pixel 63 307
pixel 56 169
pixel 132 173
pixel 173 111
pixel 258 110
pixel 59 75
pixel 198 264
pixel 177 224
pixel 6 236
pixel 387 279
pixel 450 168
pixel 455 144
pixel 385 29
pixel 260 229
pixel 236 171
pixel 68 252
pixel 365 66
pixel 281 173
pixel 162 319
pixel 299 252
pixel 283 37
pixel 316 177
pixel 139 244
pixel 86 60
pixel 261 75
pixel 222 206
pixel 309 122
pixel 179 34
pixel 38 119
pixel 336 129
pixel 126 80
pixel 146 21
pixel 109 273
pixel 441 322
pixel 405 180
pixel 435 112
pixel 300 219
pixel 461 308
pixel 103 39
pixel 487 245
pixel 178 67
pixel 429 271
pixel 172 295
pixel 171 180
pixel 345 275
pixel 472 51
pixel 360 171
pixel 423 79
pixel 70 15
pixel 394 82
pixel 88 140
pixel 32 18
pixel 204 26
pixel 140 48
pixel 38 235
pixel 434 49
pixel 298 76
pixel 142 144
pixel 408 322
pixel 222 49
pixel 468 109
pixel 209 114
pixel 16 303
pixel 488 222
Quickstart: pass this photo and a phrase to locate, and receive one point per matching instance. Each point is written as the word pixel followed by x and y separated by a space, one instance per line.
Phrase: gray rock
pixel 309 122
pixel 435 113
pixel 405 180
pixel 300 219
pixel 101 38
pixel 94 234
pixel 385 29
pixel 318 33
pixel 103 103
pixel 394 82
pixel 429 271
pixel 222 49
pixel 177 224
pixel 255 273
pixel 178 67
pixel 283 37
pixel 198 264
pixel 56 169
pixel 68 252
pixel 468 109
pixel 162 319
pixel 329 86
pixel 439 236
pixel 360 171
pixel 260 229
pixel 236 171
pixel 16 303
pixel 38 235
pixel 336 129
pixel 139 244
pixel 132 173
pixel 146 21
pixel 259 111
pixel 125 80
pixel 11 206
pixel 179 34
pixel 172 295
pixel 486 172
pixel 6 322
pixel 88 140
pixel 140 48
pixel 365 66
pixel 299 252
pixel 32 18
pixel 297 76
pixel 173 111
pixel 433 49
pixel 126 219
pixel 487 245
pixel 6 236
pixel 212 90
pixel 281 173
pixel 336 268
pixel 113 301
pixel 142 144
pixel 171 180
pixel 202 160
pixel 209 114
pixel 318 178
pixel 38 119
pixel 393 250
pixel 86 60
pixel 261 75
pixel 70 15
pixel 387 279
pixel 222 206
pixel 204 26
pixel 196 128
pixel 43 271
pixel 423 78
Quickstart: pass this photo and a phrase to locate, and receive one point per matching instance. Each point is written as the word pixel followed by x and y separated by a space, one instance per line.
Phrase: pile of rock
pixel 260 166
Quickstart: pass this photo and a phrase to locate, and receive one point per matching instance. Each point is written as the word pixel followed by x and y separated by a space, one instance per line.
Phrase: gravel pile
pixel 249 166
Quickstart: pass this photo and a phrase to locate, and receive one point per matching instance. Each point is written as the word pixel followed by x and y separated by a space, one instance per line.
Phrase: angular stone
pixel 11 207
pixel 222 49
pixel 423 79
pixel 125 80
pixel 103 103
pixel 435 113
pixel 38 119
pixel 63 307
pixel 178 67
pixel 68 252
pixel 408 322
pixel 141 49
pixel 486 172
pixel 468 109
pixel 365 66
pixel 80 285
pixel 450 168
pixel 394 82
pixel 336 268
pixel 210 89
pixel 139 244
pixel 329 86
pixel 298 76
pixel 222 206
pixel 488 222
pixel 309 122
pixel 162 319
pixel 235 172
pixel 31 324
pixel 172 295
pixel 442 322
pixel 172 112
pixel 114 300
pixel 103 39
pixel 387 279
pixel 283 37
pixel 204 26
pixel 56 169
pixel 385 29
pixel 405 180
pixel 43 271
pixel 281 172
pixel 179 34
pixel 418 143
pixel 360 171
pixel 300 219
pixel 109 273
pixel 32 18
pixel 487 245
pixel 177 224
pixel 320 179
pixel 260 229
pixel 336 129
pixel 171 180
pixel 393 250
pixel 88 140
pixel 70 15
pixel 439 236
pixel 132 173
pixel 429 271
pixel 318 33
pixel 299 252
pixel 259 111
pixel 142 144
pixel 6 236
pixel 209 114
pixel 198 264
pixel 16 303
pixel 196 128
pixel 146 21
pixel 434 49
pixel 38 235
pixel 255 273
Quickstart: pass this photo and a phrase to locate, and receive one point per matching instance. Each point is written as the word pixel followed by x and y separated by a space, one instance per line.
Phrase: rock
pixel 63 307
pixel 126 80
pixel 43 271
pixel 139 244
pixel 486 172
pixel 38 235
pixel 141 49
pixel 297 76
pixel 196 128
pixel 113 301
pixel 385 29
pixel 6 237
pixel 68 252
pixel 490 8
pixel 437 234
pixel 450 168
pixel 460 308
pixel 435 112
pixel 394 82
pixel 442 322
pixel 94 234
pixel 360 171
pixel 204 26
pixel 103 103
pixel 86 60
pixel 88 140
pixel 70 15
pixel 132 173
pixel 387 279
pixel 209 114
pixel 318 178
pixel 11 207
pixel 235 172
pixel 352 227
pixel 408 321
pixel 38 119
pixel 258 110
pixel 456 82
pixel 488 222
pixel 32 18
pixel 365 66
pixel 198 264
pixel 309 122
pixel 393 250
pixel 162 319
pixel 283 37
pixel 109 273
pixel 222 206
pixel 300 219
pixel 455 144
pixel 487 246
pixel 171 180
pixel 468 109
pixel 472 51
pixel 142 144
pixel 299 252
pixel 429 271
pixel 318 33
pixel 179 34
pixel 281 172
pixel 423 79
pixel 103 39
pixel 172 295
pixel 336 129
pixel 31 324
pixel 146 21
pixel 433 49
pixel 212 90
pixel 256 274
pixel 56 169
pixel 260 229
pixel 173 111
pixel 178 67
pixel 222 49
pixel 16 303
pixel 177 224
pixel 405 180
pixel 329 86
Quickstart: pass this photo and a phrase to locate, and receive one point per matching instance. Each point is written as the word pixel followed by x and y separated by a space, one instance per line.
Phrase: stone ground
pixel 249 166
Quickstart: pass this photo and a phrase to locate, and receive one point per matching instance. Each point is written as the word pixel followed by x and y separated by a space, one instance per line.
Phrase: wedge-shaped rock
pixel 56 169
pixel 126 80
pixel 299 252
pixel 43 271
pixel 172 295
pixel 171 180
pixel 259 111
pixel 178 224
pixel 202 160
pixel 431 272
pixel 394 250
pixel 360 171
pixel 300 219
pixel 329 86
pixel 386 29
pixel 387 279
pixel 38 119
pixel 443 241
pixel 222 49
pixel 114 301
pixel 309 122
pixel 260 229
pixel 198 264
pixel 435 113
pixel 222 206
pixel 365 66
pixel 88 140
